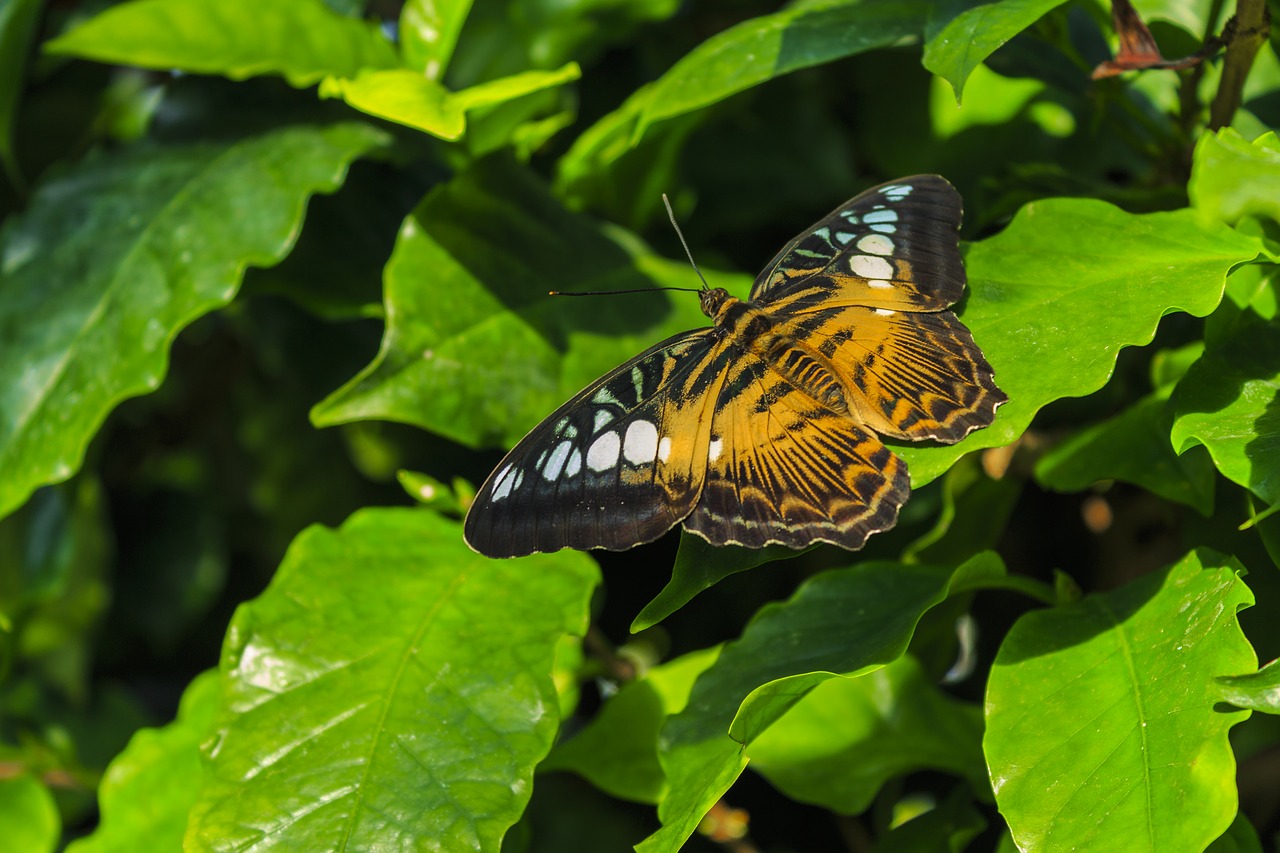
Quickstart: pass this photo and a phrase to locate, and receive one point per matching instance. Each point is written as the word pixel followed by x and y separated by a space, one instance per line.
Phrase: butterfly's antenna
pixel 616 292
pixel 672 216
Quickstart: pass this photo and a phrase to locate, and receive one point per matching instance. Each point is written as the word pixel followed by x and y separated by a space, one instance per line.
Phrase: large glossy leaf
pixel 17 24
pixel 1229 402
pixel 839 744
pixel 1232 178
pixel 29 817
pixel 1055 296
pixel 116 256
pixel 390 690
pixel 1101 718
pixel 303 40
pixel 1259 691
pixel 759 49
pixel 618 750
pixel 474 348
pixel 955 48
pixel 149 789
pixel 851 621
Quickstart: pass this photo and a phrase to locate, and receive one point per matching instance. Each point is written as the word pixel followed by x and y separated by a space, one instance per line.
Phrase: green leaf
pixel 851 621
pixel 390 690
pixel 474 349
pixel 1232 178
pixel 112 259
pixel 618 750
pixel 303 40
pixel 843 741
pixel 1101 718
pixel 29 818
pixel 1240 837
pixel 403 96
pixel 975 511
pixel 1258 691
pixel 506 89
pixel 760 49
pixel 428 32
pixel 150 787
pixel 955 48
pixel 1228 403
pixel 699 566
pixel 1133 447
pixel 1056 295
pixel 18 19
pixel 950 826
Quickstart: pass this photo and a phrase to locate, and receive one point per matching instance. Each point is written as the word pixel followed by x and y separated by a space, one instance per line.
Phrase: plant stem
pixel 1245 33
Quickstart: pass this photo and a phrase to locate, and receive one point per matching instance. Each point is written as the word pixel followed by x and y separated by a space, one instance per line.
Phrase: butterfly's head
pixel 712 299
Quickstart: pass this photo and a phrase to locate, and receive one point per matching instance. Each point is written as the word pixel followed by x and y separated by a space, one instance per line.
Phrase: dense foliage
pixel 229 511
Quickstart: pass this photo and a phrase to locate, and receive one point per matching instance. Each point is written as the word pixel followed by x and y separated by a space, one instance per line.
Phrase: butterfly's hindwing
pixel 619 464
pixel 786 470
pixel 893 246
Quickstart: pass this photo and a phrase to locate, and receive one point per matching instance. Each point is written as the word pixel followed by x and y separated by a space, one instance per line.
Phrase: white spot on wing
pixel 574 465
pixel 641 443
pixel 555 464
pixel 876 244
pixel 664 448
pixel 713 450
pixel 603 419
pixel 603 452
pixel 884 312
pixel 885 229
pixel 843 237
pixel 881 216
pixel 880 284
pixel 871 266
pixel 502 484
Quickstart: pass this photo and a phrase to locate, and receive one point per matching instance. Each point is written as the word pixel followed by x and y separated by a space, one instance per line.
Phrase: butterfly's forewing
pixel 783 469
pixel 894 247
pixel 619 464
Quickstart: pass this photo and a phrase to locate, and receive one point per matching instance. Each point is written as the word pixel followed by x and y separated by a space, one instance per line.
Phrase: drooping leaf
pixel 403 96
pixel 302 40
pixel 838 745
pixel 474 348
pixel 1056 295
pixel 29 818
pixel 618 750
pixel 1232 178
pixel 1101 718
pixel 845 622
pixel 116 256
pixel 954 48
pixel 18 19
pixel 1258 691
pixel 149 789
pixel 390 689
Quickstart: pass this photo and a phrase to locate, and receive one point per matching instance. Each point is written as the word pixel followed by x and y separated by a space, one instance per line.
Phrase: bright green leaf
pixel 390 690
pixel 18 19
pixel 1240 837
pixel 1101 718
pixel 1259 691
pixel 1055 296
pixel 474 348
pixel 403 96
pixel 149 789
pixel 760 49
pixel 1232 178
pixel 303 40
pixel 112 259
pixel 851 621
pixel 954 49
pixel 516 86
pixel 1228 403
pixel 29 818
pixel 618 750
pixel 839 744
pixel 428 32
pixel 1134 447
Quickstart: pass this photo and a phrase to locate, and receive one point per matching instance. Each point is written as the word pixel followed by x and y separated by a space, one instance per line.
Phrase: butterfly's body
pixel 764 428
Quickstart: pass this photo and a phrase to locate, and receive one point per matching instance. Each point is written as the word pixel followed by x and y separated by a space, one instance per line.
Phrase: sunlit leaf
pixel 1259 691
pixel 955 48
pixel 1101 717
pixel 1231 177
pixel 403 96
pixel 29 818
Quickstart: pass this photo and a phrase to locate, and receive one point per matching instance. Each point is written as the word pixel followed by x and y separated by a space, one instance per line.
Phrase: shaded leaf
pixel 116 256
pixel 843 741
pixel 955 48
pixel 390 689
pixel 233 38
pixel 1258 691
pixel 1055 296
pixel 618 750
pixel 950 826
pixel 474 348
pixel 1232 178
pixel 1101 725
pixel 18 19
pixel 29 818
pixel 150 787
pixel 851 621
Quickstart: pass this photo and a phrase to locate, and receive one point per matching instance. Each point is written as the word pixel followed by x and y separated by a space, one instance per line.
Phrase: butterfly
pixel 764 428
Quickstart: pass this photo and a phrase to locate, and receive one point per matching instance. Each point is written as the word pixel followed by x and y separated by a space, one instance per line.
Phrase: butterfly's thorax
pixel 753 330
